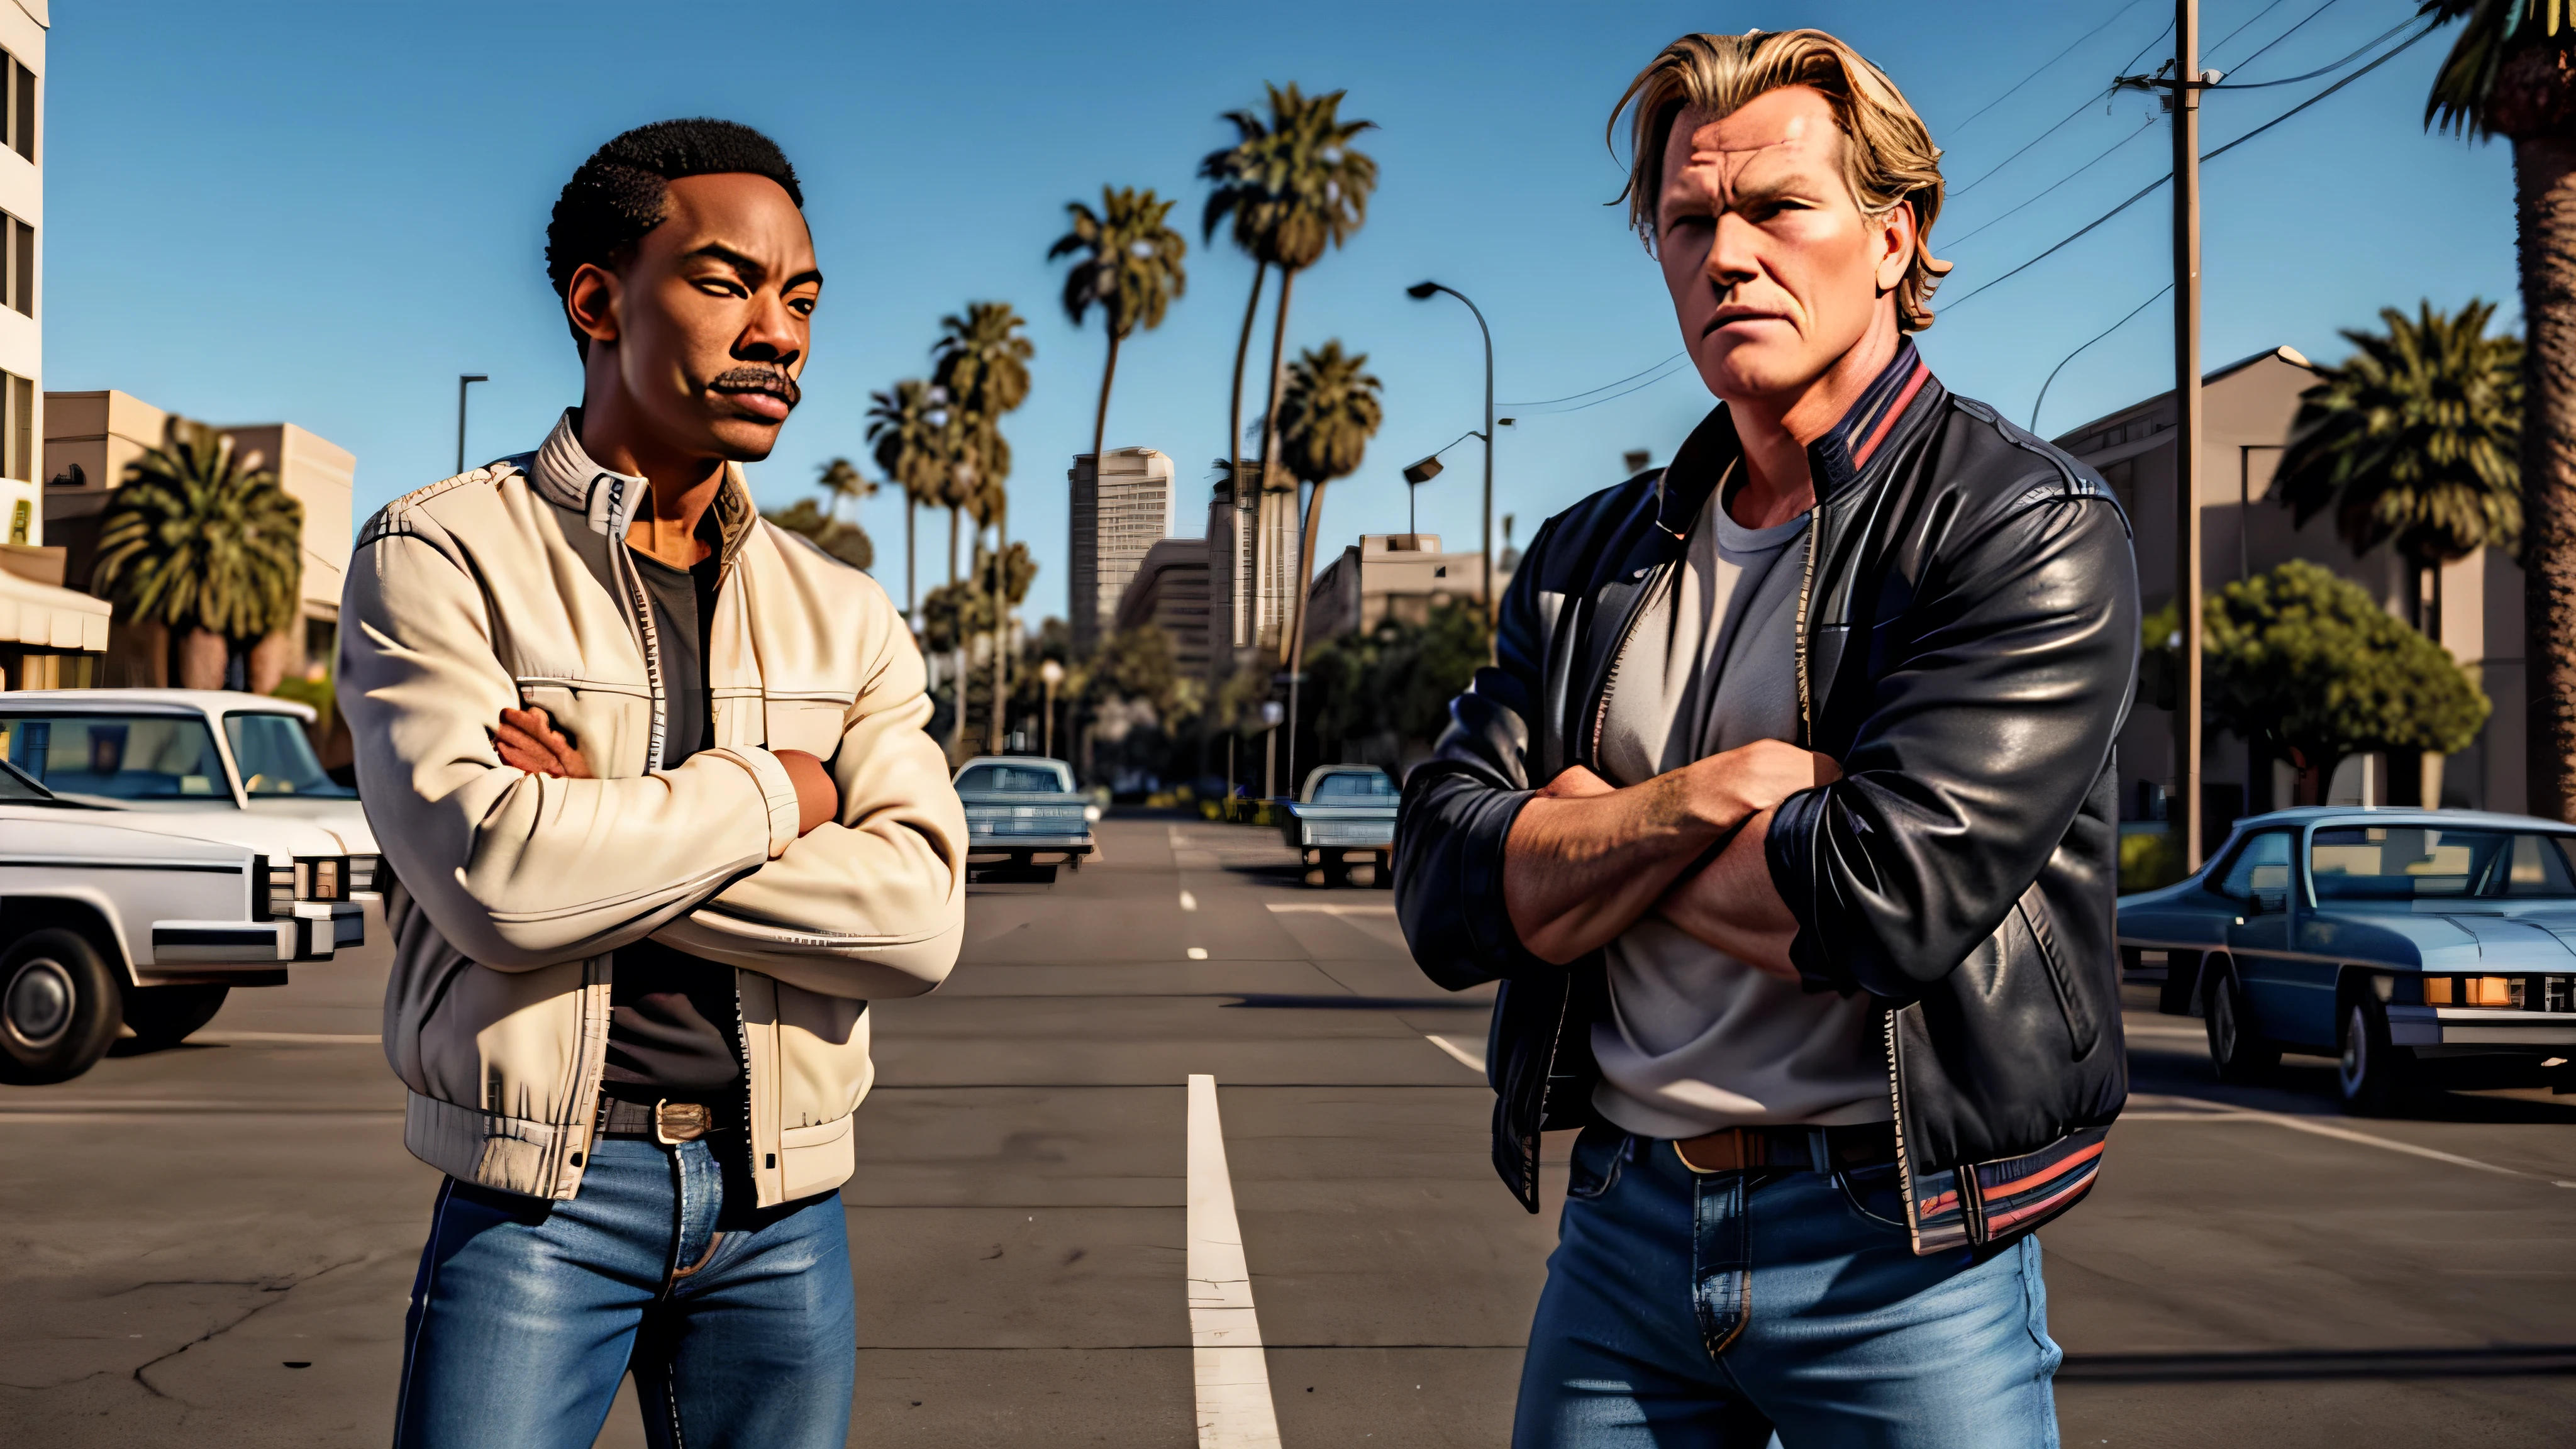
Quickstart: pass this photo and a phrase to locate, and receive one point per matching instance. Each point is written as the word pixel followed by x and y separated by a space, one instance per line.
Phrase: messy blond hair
pixel 1888 156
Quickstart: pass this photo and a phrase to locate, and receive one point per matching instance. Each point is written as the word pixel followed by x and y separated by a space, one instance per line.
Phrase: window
pixel 17 427
pixel 1353 785
pixel 123 757
pixel 1022 779
pixel 2259 876
pixel 276 757
pixel 17 106
pixel 22 519
pixel 2412 863
pixel 18 276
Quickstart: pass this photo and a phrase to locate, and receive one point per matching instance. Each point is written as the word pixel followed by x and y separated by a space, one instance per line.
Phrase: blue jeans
pixel 737 1322
pixel 1691 1312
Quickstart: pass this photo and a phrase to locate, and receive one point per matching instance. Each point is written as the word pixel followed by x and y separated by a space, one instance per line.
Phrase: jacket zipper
pixel 1807 738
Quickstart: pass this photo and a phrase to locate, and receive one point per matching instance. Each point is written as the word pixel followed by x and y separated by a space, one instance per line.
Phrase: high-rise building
pixel 1252 568
pixel 1120 510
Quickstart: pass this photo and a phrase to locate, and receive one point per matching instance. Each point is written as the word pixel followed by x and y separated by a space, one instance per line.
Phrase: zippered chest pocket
pixel 808 722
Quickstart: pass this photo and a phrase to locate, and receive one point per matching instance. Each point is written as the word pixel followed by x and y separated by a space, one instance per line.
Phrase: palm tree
pixel 1306 187
pixel 906 443
pixel 1326 418
pixel 2512 73
pixel 1240 199
pixel 983 364
pixel 1132 270
pixel 842 482
pixel 2413 443
pixel 204 542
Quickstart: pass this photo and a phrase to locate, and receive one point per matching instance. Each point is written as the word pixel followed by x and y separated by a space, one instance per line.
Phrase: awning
pixel 48 616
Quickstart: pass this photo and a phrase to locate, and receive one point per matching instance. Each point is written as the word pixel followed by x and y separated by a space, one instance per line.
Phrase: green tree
pixel 2311 668
pixel 841 539
pixel 1131 269
pixel 204 541
pixel 982 371
pixel 1327 416
pixel 907 445
pixel 2512 73
pixel 1395 681
pixel 2412 443
pixel 1291 184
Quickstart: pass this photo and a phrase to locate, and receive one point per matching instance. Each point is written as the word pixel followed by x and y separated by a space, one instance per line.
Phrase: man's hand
pixel 1585 860
pixel 528 740
pixel 817 798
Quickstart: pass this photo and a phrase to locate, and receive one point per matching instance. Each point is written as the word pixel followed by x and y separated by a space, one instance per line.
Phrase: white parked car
pixel 171 844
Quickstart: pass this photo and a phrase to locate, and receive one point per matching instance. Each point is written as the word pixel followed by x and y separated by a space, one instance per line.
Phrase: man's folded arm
pixel 519 870
pixel 872 903
pixel 1981 744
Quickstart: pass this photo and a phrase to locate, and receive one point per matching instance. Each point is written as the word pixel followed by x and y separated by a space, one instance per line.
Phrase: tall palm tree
pixel 1131 269
pixel 206 543
pixel 842 482
pixel 982 362
pixel 2512 73
pixel 1308 187
pixel 1240 199
pixel 1326 418
pixel 906 443
pixel 2413 443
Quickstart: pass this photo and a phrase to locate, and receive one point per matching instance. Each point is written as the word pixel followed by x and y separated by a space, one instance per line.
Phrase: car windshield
pixel 121 756
pixel 2415 862
pixel 1023 779
pixel 17 788
pixel 1355 786
pixel 276 757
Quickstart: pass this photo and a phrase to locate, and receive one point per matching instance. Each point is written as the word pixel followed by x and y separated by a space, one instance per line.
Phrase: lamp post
pixel 1420 291
pixel 463 380
pixel 1050 674
pixel 1415 475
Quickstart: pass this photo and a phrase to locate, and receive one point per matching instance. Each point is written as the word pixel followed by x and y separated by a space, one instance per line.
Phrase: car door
pixel 2261 882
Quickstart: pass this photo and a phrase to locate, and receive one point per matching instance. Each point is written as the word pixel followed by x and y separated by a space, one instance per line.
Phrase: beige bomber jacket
pixel 514 891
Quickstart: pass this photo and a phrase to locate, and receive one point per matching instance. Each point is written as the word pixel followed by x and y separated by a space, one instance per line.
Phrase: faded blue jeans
pixel 1828 1328
pixel 737 1322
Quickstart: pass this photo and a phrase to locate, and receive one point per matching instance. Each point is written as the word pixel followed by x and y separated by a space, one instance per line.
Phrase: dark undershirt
pixel 674 1019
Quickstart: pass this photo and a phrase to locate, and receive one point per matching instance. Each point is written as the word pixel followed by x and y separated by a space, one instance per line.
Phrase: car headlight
pixel 278 885
pixel 2498 992
pixel 1091 813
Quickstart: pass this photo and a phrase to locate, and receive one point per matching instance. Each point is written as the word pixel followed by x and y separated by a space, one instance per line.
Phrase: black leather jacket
pixel 1967 647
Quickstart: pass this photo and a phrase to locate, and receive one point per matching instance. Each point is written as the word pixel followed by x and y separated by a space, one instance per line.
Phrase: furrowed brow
pixel 750 271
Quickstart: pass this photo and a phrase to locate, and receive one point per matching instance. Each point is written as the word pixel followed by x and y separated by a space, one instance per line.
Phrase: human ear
pixel 1896 245
pixel 591 301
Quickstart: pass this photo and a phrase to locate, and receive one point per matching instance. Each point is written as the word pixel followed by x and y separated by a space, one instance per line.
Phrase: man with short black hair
pixel 1787 820
pixel 652 782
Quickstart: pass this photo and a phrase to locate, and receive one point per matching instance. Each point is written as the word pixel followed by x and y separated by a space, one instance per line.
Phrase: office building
pixel 1170 593
pixel 1121 508
pixel 1385 576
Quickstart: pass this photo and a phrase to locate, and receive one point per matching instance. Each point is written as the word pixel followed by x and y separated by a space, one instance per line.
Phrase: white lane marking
pixel 1472 1058
pixel 1234 1410
pixel 1189 902
pixel 2340 1134
pixel 287 1038
pixel 1198 953
pixel 1332 908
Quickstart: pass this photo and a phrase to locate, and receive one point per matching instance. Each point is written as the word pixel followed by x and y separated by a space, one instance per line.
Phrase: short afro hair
pixel 622 191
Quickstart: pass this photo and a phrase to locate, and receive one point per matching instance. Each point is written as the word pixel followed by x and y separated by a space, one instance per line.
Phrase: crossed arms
pixel 1585 861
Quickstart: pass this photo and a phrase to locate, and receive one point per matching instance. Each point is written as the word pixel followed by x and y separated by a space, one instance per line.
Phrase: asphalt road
pixel 211 1245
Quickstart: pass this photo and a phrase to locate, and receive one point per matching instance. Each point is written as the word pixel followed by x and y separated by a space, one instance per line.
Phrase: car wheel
pixel 2375 1077
pixel 2236 1047
pixel 163 1016
pixel 58 1007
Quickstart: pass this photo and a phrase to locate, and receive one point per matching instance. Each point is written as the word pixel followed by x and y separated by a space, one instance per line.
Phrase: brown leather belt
pixel 1813 1149
pixel 669 1123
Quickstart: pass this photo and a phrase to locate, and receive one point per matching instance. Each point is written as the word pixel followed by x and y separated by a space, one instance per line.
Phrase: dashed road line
pixel 1189 902
pixel 1198 953
pixel 1470 1057
pixel 1330 908
pixel 1226 1360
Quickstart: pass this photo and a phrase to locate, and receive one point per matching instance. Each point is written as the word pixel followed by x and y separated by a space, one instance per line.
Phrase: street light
pixel 1421 291
pixel 1050 674
pixel 1415 475
pixel 461 382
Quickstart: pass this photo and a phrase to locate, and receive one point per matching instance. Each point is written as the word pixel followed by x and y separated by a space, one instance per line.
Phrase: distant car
pixel 2420 947
pixel 1344 816
pixel 106 919
pixel 1023 806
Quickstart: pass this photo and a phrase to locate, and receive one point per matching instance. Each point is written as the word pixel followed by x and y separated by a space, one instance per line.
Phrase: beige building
pixel 2475 611
pixel 1170 593
pixel 1389 575
pixel 90 437
pixel 1120 510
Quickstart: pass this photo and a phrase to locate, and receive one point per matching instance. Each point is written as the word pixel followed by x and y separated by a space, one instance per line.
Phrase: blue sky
pixel 324 213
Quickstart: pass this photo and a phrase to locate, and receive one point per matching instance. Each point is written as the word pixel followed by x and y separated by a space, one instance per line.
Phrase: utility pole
pixel 462 382
pixel 2187 426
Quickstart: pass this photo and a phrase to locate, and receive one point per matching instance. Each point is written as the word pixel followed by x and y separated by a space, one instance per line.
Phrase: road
pixel 211 1245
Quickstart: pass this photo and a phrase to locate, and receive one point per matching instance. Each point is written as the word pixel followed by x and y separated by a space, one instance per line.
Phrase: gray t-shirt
pixel 1697 1040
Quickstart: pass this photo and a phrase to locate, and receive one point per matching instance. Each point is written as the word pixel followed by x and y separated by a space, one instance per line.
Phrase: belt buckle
pixel 678 1122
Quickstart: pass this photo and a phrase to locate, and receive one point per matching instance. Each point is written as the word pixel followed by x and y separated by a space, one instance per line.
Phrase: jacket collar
pixel 564 474
pixel 1835 461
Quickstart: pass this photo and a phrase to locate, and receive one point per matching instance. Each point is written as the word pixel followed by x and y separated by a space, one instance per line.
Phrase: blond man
pixel 1787 820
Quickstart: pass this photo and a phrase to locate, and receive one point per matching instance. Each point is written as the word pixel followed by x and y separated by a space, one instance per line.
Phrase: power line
pixel 1587 392
pixel 2080 108
pixel 2016 86
pixel 2078 352
pixel 2284 35
pixel 1638 382
pixel 2411 42
pixel 2362 50
pixel 2248 25
pixel 2143 127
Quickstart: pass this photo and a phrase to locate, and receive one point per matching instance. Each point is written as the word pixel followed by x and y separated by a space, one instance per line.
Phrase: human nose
pixel 774 334
pixel 1732 256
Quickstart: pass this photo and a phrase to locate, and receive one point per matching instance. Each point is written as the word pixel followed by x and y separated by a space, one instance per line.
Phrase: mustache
pixel 771 380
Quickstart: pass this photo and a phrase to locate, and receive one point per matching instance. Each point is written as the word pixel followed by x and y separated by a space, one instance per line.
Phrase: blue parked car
pixel 2415 945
